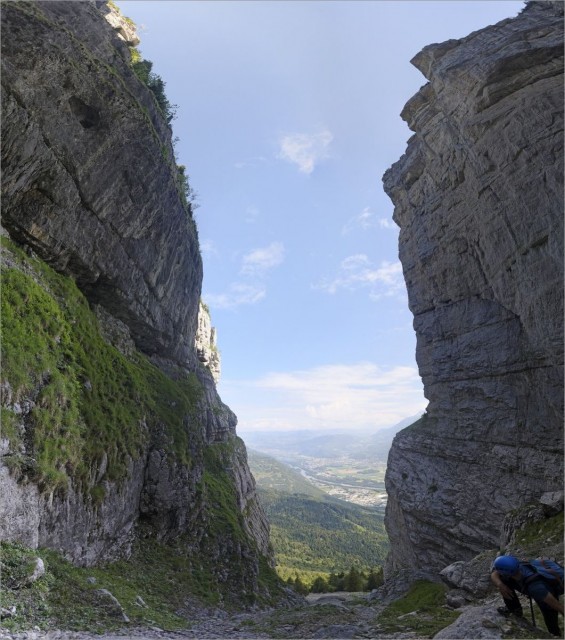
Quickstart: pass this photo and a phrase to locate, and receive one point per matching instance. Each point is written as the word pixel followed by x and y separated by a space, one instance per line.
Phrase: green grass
pixel 89 403
pixel 168 578
pixel 536 535
pixel 427 599
pixel 163 576
pixel 90 400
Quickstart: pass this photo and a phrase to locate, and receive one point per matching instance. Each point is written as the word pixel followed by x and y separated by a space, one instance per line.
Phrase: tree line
pixel 353 580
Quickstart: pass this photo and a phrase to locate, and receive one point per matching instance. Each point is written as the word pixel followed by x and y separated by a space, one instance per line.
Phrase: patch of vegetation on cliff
pixel 541 537
pixel 421 610
pixel 225 526
pixel 143 70
pixel 219 492
pixel 86 402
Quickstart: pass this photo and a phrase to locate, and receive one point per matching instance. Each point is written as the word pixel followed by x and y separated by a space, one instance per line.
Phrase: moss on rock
pixel 85 399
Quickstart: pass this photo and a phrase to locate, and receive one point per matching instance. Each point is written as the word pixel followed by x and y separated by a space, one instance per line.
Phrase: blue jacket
pixel 533 584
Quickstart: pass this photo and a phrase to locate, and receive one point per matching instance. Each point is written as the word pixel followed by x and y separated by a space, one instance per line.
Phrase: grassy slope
pixel 91 401
pixel 271 474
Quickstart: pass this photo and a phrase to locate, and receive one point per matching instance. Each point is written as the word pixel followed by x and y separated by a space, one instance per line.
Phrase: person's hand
pixel 505 590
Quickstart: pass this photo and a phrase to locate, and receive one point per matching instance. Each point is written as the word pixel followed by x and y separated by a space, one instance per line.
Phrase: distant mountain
pixel 286 445
pixel 378 444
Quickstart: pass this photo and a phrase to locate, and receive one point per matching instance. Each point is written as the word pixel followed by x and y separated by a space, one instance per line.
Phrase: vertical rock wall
pixel 89 180
pixel 90 185
pixel 207 343
pixel 478 196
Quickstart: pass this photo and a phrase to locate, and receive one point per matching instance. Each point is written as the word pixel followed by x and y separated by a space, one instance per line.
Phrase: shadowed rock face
pixel 89 180
pixel 90 184
pixel 478 196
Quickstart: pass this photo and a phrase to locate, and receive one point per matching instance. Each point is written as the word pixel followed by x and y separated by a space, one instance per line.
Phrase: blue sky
pixel 288 115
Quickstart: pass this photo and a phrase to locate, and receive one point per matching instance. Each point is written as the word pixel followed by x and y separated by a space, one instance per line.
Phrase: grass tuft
pixel 427 600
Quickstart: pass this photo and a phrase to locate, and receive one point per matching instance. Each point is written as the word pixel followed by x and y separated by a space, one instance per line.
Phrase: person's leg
pixel 551 619
pixel 513 604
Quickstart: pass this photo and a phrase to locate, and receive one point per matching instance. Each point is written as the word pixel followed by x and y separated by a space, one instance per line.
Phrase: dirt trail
pixel 337 615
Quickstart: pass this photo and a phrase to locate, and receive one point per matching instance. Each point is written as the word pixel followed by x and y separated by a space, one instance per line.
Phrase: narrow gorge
pixel 119 459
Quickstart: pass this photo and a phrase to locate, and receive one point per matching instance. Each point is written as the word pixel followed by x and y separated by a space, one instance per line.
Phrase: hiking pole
pixel 532 611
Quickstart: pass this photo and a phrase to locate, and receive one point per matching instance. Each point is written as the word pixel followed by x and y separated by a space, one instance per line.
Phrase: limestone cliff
pixel 478 197
pixel 89 180
pixel 206 343
pixel 112 429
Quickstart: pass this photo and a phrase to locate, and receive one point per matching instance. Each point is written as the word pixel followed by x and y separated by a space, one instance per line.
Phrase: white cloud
pixel 239 293
pixel 366 220
pixel 358 272
pixel 356 396
pixel 250 162
pixel 251 288
pixel 385 223
pixel 209 248
pixel 259 261
pixel 251 214
pixel 305 150
pixel 357 262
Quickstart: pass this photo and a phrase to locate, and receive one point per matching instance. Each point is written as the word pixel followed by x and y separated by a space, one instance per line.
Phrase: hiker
pixel 541 580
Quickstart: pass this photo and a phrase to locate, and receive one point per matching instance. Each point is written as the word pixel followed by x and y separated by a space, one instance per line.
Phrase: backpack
pixel 548 569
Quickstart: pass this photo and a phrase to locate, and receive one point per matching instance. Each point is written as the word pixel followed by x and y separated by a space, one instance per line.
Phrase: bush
pixel 144 71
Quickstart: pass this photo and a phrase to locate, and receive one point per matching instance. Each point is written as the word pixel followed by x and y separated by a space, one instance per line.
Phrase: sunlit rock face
pixel 206 343
pixel 90 185
pixel 478 197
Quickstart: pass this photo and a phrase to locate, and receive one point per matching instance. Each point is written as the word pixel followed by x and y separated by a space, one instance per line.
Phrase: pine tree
pixel 300 587
pixel 340 583
pixel 375 579
pixel 319 585
pixel 353 580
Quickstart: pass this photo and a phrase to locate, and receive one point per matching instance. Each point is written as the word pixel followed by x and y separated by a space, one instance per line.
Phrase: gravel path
pixel 335 616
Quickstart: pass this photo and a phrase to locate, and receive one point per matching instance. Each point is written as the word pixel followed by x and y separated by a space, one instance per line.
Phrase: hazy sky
pixel 288 115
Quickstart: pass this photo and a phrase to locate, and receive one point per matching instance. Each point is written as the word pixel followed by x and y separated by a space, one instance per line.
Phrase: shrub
pixel 144 71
